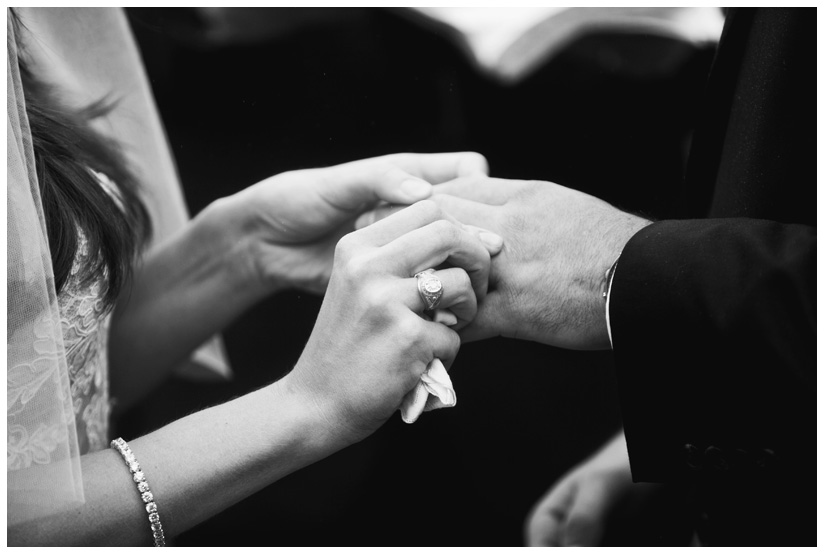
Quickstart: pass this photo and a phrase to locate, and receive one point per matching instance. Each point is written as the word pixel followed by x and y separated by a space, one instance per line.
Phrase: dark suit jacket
pixel 713 317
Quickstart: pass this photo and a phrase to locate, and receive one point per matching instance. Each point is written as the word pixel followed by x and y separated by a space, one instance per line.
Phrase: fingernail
pixel 445 317
pixel 364 220
pixel 492 240
pixel 417 189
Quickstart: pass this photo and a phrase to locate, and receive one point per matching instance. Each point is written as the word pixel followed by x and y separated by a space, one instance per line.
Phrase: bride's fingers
pixel 397 178
pixel 492 241
pixel 438 243
pixel 406 220
pixel 457 296
pixel 443 341
pixel 350 186
pixel 376 214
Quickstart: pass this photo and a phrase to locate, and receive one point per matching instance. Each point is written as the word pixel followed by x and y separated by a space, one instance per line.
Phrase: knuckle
pixel 464 283
pixel 356 267
pixel 455 342
pixel 346 247
pixel 375 299
pixel 428 210
pixel 410 331
pixel 446 231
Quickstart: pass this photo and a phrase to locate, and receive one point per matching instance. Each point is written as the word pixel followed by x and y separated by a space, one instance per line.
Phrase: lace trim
pixel 84 325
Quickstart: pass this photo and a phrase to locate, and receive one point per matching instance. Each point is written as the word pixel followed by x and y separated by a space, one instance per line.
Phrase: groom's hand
pixel 292 221
pixel 546 284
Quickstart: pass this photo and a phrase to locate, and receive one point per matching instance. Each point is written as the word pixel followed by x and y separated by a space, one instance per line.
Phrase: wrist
pixel 624 228
pixel 237 234
pixel 319 429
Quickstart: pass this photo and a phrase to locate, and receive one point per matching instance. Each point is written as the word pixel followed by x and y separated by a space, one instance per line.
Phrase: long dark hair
pixel 66 150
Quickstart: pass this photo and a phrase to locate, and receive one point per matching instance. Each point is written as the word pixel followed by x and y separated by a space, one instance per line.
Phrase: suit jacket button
pixel 693 457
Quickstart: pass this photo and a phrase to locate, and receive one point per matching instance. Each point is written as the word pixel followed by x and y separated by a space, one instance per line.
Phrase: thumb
pixel 357 185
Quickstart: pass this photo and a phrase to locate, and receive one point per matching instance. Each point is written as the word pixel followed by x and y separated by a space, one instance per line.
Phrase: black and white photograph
pixel 397 277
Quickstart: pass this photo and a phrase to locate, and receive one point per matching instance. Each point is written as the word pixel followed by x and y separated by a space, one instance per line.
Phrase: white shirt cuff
pixel 607 305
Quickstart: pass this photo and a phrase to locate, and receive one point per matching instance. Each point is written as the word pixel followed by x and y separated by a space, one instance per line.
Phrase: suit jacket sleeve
pixel 714 326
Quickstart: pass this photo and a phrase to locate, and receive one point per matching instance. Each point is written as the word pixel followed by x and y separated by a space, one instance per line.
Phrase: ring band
pixel 430 288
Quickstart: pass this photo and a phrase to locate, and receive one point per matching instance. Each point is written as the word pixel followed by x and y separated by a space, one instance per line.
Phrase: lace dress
pixel 84 321
pixel 84 326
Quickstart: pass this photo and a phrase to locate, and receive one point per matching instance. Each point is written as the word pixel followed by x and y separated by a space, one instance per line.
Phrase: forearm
pixel 189 287
pixel 251 442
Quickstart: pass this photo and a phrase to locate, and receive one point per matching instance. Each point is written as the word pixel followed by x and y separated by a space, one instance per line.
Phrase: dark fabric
pixel 755 147
pixel 714 320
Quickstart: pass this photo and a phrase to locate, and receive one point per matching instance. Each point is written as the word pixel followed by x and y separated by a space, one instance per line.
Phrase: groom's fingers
pixel 442 166
pixel 470 210
pixel 492 242
pixel 487 322
pixel 396 178
pixel 472 214
pixel 458 210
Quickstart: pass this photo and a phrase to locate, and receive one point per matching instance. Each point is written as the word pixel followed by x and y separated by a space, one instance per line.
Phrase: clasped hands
pixel 522 259
pixel 540 249
pixel 546 283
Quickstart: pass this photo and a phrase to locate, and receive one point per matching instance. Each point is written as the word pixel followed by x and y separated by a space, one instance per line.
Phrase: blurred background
pixel 245 93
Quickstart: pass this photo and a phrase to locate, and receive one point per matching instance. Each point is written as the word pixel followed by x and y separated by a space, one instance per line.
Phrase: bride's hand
pixel 370 343
pixel 292 221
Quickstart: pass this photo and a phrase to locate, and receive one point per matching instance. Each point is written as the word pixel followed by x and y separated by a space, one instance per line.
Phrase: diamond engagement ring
pixel 430 288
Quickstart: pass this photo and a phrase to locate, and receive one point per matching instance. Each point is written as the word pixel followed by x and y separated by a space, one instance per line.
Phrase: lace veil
pixel 89 54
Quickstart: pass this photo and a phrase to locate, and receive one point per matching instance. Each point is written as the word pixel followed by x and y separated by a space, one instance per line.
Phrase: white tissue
pixel 434 391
